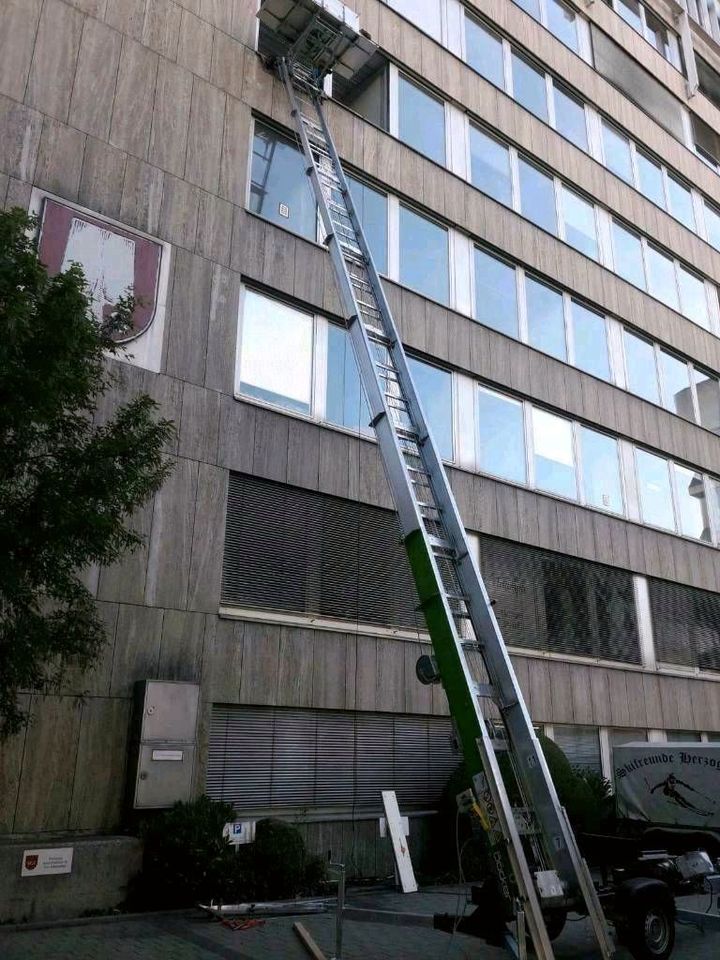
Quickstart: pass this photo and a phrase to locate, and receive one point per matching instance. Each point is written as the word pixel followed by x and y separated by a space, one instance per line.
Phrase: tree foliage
pixel 67 484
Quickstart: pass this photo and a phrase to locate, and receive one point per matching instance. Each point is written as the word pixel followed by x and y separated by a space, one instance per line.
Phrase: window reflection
pixel 424 263
pixel 371 207
pixel 546 323
pixel 279 188
pixel 640 367
pixel 570 118
pixel 537 197
pixel 529 86
pixel 661 277
pixel 553 454
pixel 579 222
pixel 694 519
pixel 617 152
pixel 601 470
pixel 501 436
pixel 434 387
pixel 707 390
pixel 654 485
pixel 627 251
pixel 345 402
pixel 490 166
pixel 421 120
pixel 484 52
pixel 495 293
pixel 651 179
pixel 677 395
pixel 590 341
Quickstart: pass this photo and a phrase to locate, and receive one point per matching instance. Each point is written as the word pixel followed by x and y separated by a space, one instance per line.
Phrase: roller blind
pixel 549 601
pixel 686 624
pixel 581 745
pixel 295 550
pixel 264 759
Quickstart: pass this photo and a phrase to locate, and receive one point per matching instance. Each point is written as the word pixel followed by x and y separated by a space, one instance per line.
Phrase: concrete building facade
pixel 540 183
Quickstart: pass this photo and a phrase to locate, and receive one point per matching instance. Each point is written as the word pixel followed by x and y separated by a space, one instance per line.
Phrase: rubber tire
pixel 650 919
pixel 555 923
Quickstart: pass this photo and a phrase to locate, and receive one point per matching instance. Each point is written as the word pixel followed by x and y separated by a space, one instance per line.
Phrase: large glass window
pixel 529 86
pixel 562 22
pixel 651 179
pixel 421 120
pixel 693 299
pixel 601 470
pixel 692 506
pixel 424 14
pixel 654 485
pixel 640 367
pixel 501 436
pixel 275 353
pixel 279 187
pixel 424 263
pixel 708 397
pixel 490 166
pixel 590 341
pixel 570 118
pixel 546 325
pixel 345 402
pixel 553 454
pixel 579 222
pixel 371 207
pixel 676 385
pixel 434 387
pixel 616 148
pixel 661 277
pixel 537 197
pixel 495 293
pixel 712 221
pixel 629 10
pixel 627 250
pixel 681 203
pixel 484 52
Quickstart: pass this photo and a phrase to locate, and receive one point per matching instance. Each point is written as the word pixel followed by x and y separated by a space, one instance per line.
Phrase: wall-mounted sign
pixel 116 262
pixel 41 863
pixel 241 831
pixel 167 755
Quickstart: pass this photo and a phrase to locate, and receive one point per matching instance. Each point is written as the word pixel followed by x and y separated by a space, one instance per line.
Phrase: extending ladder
pixel 537 862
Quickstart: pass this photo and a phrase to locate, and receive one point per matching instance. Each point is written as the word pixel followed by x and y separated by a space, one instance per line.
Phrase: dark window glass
pixel 345 402
pixel 590 341
pixel 371 206
pixel 495 293
pixel 570 118
pixel 424 263
pixel 529 86
pixel 640 366
pixel 490 166
pixel 501 436
pixel 546 324
pixel 434 387
pixel 279 187
pixel 422 120
pixel 484 52
pixel 686 624
pixel 537 197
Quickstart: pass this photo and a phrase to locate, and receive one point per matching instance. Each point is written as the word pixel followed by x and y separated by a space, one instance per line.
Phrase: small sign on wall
pixel 42 863
pixel 241 831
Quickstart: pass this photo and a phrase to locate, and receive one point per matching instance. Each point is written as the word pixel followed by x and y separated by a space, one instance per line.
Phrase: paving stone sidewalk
pixel 175 937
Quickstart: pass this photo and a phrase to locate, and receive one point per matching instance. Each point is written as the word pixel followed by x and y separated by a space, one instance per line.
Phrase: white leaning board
pixel 399 843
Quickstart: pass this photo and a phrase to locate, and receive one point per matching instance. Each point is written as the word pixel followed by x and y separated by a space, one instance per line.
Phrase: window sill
pixel 328 624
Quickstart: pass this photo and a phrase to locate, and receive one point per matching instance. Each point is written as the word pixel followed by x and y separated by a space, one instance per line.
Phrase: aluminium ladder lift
pixel 536 860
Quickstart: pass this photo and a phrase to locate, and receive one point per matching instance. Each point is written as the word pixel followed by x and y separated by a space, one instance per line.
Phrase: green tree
pixel 68 486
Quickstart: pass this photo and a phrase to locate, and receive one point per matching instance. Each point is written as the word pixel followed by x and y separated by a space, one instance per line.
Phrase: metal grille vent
pixel 549 601
pixel 264 759
pixel 295 550
pixel 686 624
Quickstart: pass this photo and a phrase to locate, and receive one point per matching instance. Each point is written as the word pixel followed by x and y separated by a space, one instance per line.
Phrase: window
pixel 693 300
pixel 707 390
pixel 501 436
pixel 371 207
pixel 434 386
pixel 275 353
pixel 562 22
pixel 676 385
pixel 424 14
pixel 294 550
pixel 657 34
pixel 579 223
pixel 548 601
pixel 345 402
pixel 421 120
pixel 495 293
pixel 686 625
pixel 553 454
pixel 294 760
pixel 490 166
pixel 681 203
pixel 589 335
pixel 537 197
pixel 640 367
pixel 692 505
pixel 628 258
pixel 570 118
pixel 661 277
pixel 484 52
pixel 629 10
pixel 529 86
pixel 581 746
pixel 654 485
pixel 546 324
pixel 650 179
pixel 279 187
pixel 683 736
pixel 424 263
pixel 530 6
pixel 616 148
pixel 601 470
pixel 712 223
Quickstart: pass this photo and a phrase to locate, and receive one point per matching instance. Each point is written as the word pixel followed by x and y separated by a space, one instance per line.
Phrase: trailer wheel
pixel 649 929
pixel 555 923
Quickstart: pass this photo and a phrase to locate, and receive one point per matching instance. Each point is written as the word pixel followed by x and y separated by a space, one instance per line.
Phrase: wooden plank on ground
pixel 399 842
pixel 307 941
